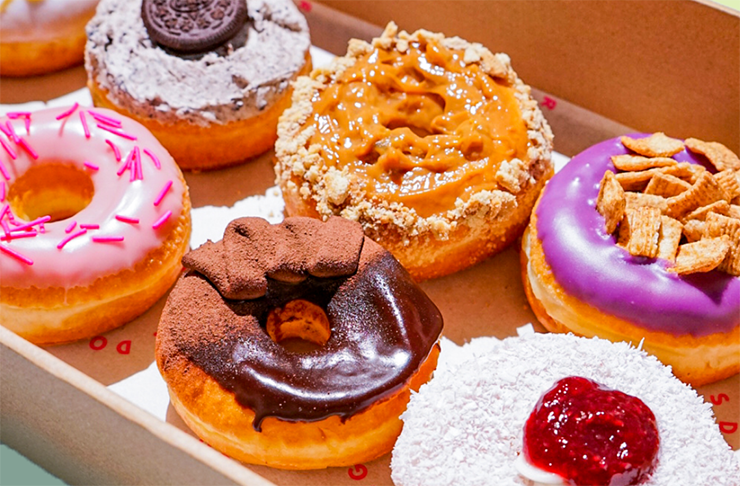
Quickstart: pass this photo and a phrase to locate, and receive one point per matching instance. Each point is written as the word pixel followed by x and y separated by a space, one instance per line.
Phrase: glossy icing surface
pixel 589 265
pixel 121 223
pixel 421 127
pixel 383 327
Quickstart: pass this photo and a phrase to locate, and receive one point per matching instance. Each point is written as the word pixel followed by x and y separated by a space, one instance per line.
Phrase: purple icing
pixel 589 265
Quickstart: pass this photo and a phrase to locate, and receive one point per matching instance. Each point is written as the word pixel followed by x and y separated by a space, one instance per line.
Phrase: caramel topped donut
pixel 433 144
pixel 374 333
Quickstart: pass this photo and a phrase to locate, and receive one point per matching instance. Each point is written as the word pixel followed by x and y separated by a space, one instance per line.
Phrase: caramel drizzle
pixel 419 127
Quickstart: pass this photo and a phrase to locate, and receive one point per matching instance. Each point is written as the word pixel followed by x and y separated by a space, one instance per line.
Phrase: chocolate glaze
pixel 383 327
pixel 589 265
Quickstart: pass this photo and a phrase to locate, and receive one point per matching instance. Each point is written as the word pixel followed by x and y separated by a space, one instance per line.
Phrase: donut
pixel 42 36
pixel 433 144
pixel 94 219
pixel 468 427
pixel 634 259
pixel 208 79
pixel 296 345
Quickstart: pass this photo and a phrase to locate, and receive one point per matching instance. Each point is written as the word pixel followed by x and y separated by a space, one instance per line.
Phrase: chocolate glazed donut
pixel 241 296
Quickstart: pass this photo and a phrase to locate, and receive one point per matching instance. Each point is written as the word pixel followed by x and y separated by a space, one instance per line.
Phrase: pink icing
pixel 59 259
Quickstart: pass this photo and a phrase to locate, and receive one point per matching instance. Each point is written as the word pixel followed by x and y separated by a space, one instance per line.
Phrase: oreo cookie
pixel 193 26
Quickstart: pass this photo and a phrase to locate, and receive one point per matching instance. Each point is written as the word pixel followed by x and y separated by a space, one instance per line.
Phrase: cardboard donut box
pixel 598 69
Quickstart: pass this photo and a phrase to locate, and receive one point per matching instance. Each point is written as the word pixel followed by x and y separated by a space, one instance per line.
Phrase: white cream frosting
pixel 149 82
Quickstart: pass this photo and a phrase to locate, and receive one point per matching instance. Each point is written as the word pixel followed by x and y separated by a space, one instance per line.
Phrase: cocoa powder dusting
pixel 253 250
pixel 383 326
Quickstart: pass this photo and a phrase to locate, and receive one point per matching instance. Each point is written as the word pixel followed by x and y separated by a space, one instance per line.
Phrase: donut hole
pixel 57 190
pixel 299 326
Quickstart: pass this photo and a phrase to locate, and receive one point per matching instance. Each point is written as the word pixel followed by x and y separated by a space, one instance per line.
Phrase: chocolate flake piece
pixel 644 227
pixel 669 238
pixel 193 26
pixel 701 256
pixel 666 185
pixel 718 225
pixel 637 162
pixel 656 145
pixel 719 155
pixel 611 201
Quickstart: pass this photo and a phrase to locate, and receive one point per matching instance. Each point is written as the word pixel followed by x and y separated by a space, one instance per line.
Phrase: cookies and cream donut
pixel 433 144
pixel 221 343
pixel 208 78
pixel 94 218
pixel 612 258
pixel 467 425
pixel 42 36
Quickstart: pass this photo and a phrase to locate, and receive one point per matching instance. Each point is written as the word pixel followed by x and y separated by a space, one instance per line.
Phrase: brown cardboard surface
pixel 61 415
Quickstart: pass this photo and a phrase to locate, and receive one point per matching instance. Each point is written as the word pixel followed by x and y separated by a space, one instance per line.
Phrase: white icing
pixel 538 476
pixel 466 425
pixel 147 81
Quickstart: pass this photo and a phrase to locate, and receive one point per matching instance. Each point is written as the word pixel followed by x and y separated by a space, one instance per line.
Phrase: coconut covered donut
pixel 208 78
pixel 466 426
pixel 226 343
pixel 94 219
pixel 433 144
pixel 42 36
pixel 638 239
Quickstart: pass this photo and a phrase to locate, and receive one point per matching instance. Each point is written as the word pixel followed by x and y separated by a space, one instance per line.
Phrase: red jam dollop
pixel 591 435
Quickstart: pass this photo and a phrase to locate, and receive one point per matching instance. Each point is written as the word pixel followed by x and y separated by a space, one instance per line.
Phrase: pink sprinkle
pixel 5 130
pixel 68 112
pixel 71 226
pixel 8 149
pixel 162 220
pixel 126 219
pixel 107 239
pixel 105 120
pixel 13 221
pixel 4 171
pixel 16 255
pixel 27 123
pixel 154 159
pixel 162 193
pixel 83 120
pixel 2 191
pixel 5 226
pixel 28 148
pixel 139 171
pixel 116 132
pixel 127 165
pixel 90 226
pixel 19 114
pixel 11 132
pixel 89 165
pixel 70 238
pixel 6 209
pixel 42 228
pixel 36 221
pixel 116 152
pixel 15 236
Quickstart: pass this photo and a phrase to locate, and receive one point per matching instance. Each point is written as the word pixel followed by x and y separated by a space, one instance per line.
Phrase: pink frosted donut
pixel 95 219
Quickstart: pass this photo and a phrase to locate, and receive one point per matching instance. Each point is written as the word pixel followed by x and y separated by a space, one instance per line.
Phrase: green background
pixel 16 470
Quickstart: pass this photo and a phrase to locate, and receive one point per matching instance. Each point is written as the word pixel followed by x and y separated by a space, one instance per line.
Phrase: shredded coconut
pixel 466 425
